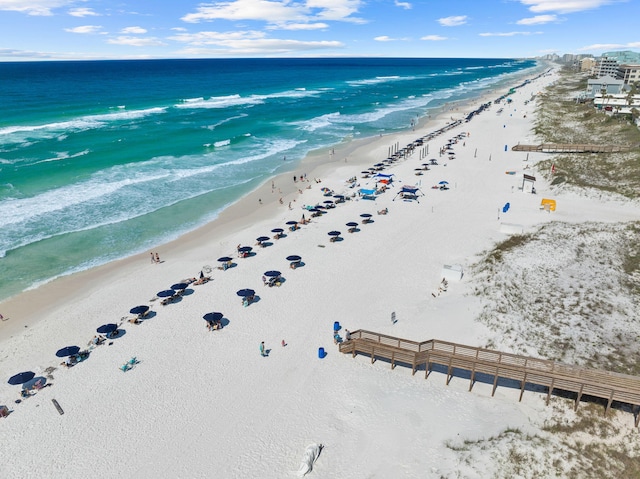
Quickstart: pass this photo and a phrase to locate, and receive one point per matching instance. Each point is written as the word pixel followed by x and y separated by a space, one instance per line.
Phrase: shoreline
pixel 26 308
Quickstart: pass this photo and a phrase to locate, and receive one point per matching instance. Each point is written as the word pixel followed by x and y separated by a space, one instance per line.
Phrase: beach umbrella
pixel 224 259
pixel 139 309
pixel 213 316
pixel 334 233
pixel 272 274
pixel 107 328
pixel 165 293
pixel 365 215
pixel 339 197
pixel 352 224
pixel 179 286
pixel 245 249
pixel 262 238
pixel 292 223
pixel 294 257
pixel 245 292
pixel 443 182
pixel 277 230
pixel 67 351
pixel 326 202
pixel 21 378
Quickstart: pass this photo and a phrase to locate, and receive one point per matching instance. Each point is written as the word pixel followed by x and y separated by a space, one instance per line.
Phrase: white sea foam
pixel 250 100
pixel 220 143
pixel 78 124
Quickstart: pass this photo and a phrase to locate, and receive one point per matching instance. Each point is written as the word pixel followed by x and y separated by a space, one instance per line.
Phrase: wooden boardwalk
pixel 523 369
pixel 574 148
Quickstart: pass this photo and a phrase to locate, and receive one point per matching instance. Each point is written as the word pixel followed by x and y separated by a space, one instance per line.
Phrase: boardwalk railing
pixel 574 148
pixel 526 370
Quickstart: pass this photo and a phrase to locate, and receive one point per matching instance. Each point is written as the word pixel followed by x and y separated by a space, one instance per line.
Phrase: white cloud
pixel 136 41
pixel 453 21
pixel 538 20
pixel 265 46
pixel 34 7
pixel 133 30
pixel 564 6
pixel 433 38
pixel 609 46
pixel 385 38
pixel 83 12
pixel 508 34
pixel 216 38
pixel 250 42
pixel 84 29
pixel 405 5
pixel 277 12
pixel 300 26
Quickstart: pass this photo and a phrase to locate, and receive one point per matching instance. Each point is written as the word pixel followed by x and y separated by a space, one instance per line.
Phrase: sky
pixel 37 30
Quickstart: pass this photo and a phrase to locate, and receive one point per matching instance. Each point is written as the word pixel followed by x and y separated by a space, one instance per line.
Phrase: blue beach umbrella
pixel 443 182
pixel 224 259
pixel 294 257
pixel 139 309
pixel 179 286
pixel 245 292
pixel 277 230
pixel 292 223
pixel 272 274
pixel 67 351
pixel 352 224
pixel 365 215
pixel 213 316
pixel 262 238
pixel 21 378
pixel 165 293
pixel 107 328
pixel 334 233
pixel 245 249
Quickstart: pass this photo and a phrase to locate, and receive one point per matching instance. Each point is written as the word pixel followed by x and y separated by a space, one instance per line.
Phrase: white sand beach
pixel 202 403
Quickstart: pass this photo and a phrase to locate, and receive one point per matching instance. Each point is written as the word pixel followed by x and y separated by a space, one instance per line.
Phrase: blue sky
pixel 130 29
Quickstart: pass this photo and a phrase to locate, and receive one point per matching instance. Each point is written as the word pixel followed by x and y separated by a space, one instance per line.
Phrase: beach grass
pixel 561 119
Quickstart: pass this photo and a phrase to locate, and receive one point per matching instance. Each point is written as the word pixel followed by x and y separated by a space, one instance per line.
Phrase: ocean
pixel 103 159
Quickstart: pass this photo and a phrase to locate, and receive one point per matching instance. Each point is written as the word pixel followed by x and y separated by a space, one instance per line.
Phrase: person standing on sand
pixel 157 258
pixel 153 258
pixel 263 353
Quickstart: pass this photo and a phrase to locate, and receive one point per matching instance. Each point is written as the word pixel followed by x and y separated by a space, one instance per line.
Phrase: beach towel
pixel 311 454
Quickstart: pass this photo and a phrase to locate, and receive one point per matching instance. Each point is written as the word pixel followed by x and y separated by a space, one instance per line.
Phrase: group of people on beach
pixel 155 258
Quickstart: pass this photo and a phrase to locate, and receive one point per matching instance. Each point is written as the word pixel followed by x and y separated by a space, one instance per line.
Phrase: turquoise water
pixel 100 160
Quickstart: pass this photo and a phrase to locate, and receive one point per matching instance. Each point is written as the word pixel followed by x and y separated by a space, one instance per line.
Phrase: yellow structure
pixel 548 204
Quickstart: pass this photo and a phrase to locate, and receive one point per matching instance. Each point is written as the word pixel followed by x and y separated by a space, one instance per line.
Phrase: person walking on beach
pixel 263 353
pixel 157 258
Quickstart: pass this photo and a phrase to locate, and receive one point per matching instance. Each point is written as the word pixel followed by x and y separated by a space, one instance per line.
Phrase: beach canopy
pixel 382 175
pixel 272 274
pixel 139 309
pixel 224 259
pixel 294 257
pixel 213 316
pixel 364 191
pixel 67 351
pixel 107 328
pixel 262 238
pixel 245 292
pixel 334 233
pixel 277 230
pixel 179 286
pixel 165 293
pixel 21 378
